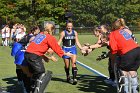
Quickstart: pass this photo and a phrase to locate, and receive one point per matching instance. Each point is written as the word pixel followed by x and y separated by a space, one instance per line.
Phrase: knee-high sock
pixel 111 71
pixel 19 74
pixel 2 43
pixel 67 71
pixel 6 42
pixel 74 72
pixel 27 83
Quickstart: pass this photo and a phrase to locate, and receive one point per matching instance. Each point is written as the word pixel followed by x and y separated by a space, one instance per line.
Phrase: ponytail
pixel 122 22
pixel 118 23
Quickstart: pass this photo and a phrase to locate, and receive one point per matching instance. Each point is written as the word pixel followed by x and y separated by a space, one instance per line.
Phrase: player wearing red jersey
pixel 121 43
pixel 36 49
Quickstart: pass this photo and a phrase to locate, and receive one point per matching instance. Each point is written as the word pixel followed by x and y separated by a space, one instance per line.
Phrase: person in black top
pixel 69 38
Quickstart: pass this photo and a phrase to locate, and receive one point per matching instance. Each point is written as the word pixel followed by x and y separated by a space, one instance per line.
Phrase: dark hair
pixel 69 21
pixel 34 28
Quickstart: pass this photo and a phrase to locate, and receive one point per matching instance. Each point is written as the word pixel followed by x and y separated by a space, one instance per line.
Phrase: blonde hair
pixel 49 28
pixel 105 36
pixel 101 29
pixel 104 28
pixel 118 23
pixel 95 31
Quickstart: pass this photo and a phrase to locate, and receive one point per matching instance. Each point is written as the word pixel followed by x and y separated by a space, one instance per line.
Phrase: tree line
pixel 84 13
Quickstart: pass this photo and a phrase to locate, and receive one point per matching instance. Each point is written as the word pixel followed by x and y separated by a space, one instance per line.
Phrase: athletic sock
pixel 111 75
pixel 27 83
pixel 67 72
pixel 7 42
pixel 111 71
pixel 74 72
pixel 2 43
pixel 19 74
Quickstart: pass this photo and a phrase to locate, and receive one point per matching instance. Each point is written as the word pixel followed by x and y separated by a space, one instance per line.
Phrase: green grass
pixel 88 81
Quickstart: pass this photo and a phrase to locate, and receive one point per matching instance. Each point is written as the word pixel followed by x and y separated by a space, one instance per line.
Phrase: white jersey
pixel 3 33
pixel 7 32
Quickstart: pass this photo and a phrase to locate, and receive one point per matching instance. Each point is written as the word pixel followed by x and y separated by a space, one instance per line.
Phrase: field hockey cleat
pixel 69 80
pixel 74 81
pixel 114 84
pixel 20 83
pixel 108 81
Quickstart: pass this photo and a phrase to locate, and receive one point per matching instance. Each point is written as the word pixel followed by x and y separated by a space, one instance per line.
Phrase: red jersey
pixel 121 42
pixel 42 42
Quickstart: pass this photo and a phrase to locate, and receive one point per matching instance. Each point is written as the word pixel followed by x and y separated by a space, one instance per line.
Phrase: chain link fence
pixel 89 30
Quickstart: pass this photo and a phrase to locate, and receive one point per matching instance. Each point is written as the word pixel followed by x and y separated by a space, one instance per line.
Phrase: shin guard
pixel 135 84
pixel 126 81
pixel 42 82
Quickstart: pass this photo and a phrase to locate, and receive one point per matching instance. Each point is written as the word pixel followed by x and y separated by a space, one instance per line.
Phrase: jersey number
pixel 125 34
pixel 39 38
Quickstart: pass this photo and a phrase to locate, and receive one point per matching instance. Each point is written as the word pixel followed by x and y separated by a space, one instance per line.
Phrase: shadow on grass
pixel 86 83
pixel 90 83
pixel 58 79
pixel 13 86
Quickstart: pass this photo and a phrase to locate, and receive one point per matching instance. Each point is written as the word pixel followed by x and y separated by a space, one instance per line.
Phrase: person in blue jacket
pixel 18 50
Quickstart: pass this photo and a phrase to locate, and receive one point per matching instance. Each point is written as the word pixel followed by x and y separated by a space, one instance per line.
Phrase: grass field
pixel 88 82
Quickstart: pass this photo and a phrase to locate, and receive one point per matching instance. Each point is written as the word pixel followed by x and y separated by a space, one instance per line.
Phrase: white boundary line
pixel 91 69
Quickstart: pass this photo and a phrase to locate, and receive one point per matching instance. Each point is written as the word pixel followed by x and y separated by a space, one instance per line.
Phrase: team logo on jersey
pixel 125 34
pixel 39 38
pixel 69 37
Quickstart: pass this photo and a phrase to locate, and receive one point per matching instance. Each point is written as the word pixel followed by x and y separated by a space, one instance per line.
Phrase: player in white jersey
pixel 3 36
pixel 7 35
